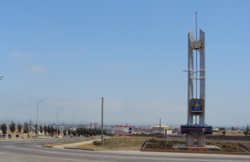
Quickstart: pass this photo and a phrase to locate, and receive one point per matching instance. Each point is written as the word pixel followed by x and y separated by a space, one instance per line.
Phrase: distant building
pixel 142 131
pixel 163 129
pixel 94 125
pixel 215 130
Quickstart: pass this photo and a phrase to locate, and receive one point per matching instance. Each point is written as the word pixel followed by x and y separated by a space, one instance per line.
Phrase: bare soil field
pixel 230 133
pixel 136 142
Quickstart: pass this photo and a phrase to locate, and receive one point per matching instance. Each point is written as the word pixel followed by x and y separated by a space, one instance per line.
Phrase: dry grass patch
pixel 136 142
pixel 118 143
pixel 232 142
pixel 230 133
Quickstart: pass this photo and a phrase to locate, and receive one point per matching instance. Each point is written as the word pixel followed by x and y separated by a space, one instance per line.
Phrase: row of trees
pixel 13 127
pixel 85 132
pixel 50 129
pixel 47 129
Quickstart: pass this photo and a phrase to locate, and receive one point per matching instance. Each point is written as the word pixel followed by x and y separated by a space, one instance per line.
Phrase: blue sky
pixel 132 53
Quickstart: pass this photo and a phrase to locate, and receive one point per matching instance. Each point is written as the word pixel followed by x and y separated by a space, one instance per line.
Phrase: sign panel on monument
pixel 174 136
pixel 196 106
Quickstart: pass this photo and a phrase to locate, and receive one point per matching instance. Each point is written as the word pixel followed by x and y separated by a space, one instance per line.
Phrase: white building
pixel 94 125
pixel 163 129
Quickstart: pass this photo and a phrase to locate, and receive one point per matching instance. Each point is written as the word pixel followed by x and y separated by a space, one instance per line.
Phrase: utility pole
pixel 74 121
pixel 37 118
pixel 102 122
pixel 7 123
pixel 30 125
pixel 57 122
pixel 160 126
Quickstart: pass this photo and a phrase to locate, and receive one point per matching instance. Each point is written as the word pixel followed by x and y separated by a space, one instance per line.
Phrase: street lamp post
pixel 82 120
pixel 102 123
pixel 37 118
pixel 74 120
pixel 7 123
pixel 57 122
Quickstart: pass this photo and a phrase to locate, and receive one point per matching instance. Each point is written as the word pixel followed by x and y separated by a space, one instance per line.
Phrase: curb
pixel 79 148
pixel 102 149
pixel 48 146
pixel 196 152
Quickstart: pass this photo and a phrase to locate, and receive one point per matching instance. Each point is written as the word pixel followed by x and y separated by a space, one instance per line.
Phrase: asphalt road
pixel 32 151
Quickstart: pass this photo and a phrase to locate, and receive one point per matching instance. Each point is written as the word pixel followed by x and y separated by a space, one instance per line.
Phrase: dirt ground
pixel 230 133
pixel 136 142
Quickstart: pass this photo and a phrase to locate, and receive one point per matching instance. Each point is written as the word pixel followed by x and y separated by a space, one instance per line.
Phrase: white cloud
pixel 20 54
pixel 37 69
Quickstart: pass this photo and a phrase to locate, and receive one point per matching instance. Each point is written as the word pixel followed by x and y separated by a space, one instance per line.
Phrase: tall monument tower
pixel 195 105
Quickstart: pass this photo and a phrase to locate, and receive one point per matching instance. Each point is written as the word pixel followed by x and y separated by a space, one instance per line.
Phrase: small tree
pixel 19 128
pixel 104 131
pixel 57 129
pixel 12 127
pixel 52 130
pixel 25 128
pixel 69 132
pixel 247 130
pixel 232 128
pixel 74 133
pixel 78 130
pixel 45 129
pixel 4 128
pixel 49 130
pixel 64 132
pixel 221 129
pixel 41 129
pixel 224 132
pixel 35 129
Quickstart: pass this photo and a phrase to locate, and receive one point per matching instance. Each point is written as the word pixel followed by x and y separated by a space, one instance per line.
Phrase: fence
pixel 144 143
pixel 244 147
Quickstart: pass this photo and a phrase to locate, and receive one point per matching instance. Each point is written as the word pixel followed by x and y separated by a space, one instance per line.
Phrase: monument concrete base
pixel 201 140
pixel 190 140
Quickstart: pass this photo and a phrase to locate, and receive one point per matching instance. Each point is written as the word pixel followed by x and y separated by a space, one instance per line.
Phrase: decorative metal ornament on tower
pixel 196 106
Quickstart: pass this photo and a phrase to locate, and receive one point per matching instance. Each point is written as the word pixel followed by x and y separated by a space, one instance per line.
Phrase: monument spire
pixel 196 106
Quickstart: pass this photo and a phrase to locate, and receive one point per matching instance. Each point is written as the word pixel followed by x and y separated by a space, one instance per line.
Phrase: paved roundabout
pixel 32 151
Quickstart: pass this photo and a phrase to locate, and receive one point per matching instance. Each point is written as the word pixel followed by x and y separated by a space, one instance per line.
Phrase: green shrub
pixel 224 146
pixel 97 143
pixel 208 143
pixel 153 140
pixel 162 142
pixel 175 141
pixel 182 142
